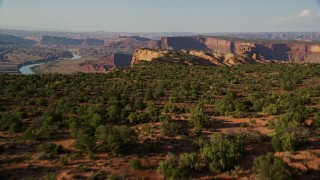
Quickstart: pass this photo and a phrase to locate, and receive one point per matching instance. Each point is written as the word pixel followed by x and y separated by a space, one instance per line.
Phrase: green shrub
pixel 84 141
pixel 10 122
pixel 222 151
pixel 116 139
pixel 198 118
pixel 168 128
pixel 269 167
pixel 64 160
pixel 169 168
pixel 113 177
pixel 50 148
pixel 271 109
pixel 190 161
pixel 170 108
pixel 50 176
pixel 148 95
pixel 135 164
pixel 287 136
pixel 42 102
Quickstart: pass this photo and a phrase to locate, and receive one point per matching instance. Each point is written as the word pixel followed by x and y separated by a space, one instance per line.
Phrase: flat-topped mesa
pixel 196 57
pixel 291 52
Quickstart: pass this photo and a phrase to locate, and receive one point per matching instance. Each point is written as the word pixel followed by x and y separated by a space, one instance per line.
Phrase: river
pixel 26 70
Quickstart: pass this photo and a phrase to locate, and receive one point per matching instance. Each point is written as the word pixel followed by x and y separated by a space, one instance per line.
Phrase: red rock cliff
pixel 271 51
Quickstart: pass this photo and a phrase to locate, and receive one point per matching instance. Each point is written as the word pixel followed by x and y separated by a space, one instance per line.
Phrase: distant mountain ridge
pixel 64 41
pixel 10 39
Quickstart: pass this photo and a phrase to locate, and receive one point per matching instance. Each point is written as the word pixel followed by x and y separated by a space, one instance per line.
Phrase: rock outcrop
pixel 196 57
pixel 146 55
pixel 291 52
pixel 106 63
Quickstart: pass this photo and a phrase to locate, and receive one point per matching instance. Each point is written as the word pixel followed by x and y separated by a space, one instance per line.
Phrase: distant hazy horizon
pixel 201 16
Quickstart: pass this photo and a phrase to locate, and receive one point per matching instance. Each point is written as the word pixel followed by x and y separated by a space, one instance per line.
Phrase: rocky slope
pixel 146 55
pixel 197 57
pixel 292 52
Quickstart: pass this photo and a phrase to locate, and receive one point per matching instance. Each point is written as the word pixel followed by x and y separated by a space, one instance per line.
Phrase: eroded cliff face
pixel 106 63
pixel 53 40
pixel 196 57
pixel 266 51
pixel 179 43
pixel 146 55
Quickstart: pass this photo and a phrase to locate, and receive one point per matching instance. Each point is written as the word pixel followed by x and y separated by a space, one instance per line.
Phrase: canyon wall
pixel 9 39
pixel 53 40
pixel 269 51
pixel 196 57
pixel 93 42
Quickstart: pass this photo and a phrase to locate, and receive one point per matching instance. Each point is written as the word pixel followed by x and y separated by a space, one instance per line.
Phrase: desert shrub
pixel 226 105
pixel 114 113
pixel 269 167
pixel 135 164
pixel 85 141
pixel 288 85
pixel 10 122
pixel 40 132
pixel 271 109
pixel 116 139
pixel 170 108
pixel 50 176
pixel 151 146
pixel 113 177
pixel 138 104
pixel 198 142
pixel 48 150
pixel 74 127
pixel 42 102
pixel 222 151
pixel 152 112
pixel 138 118
pixel 64 160
pixel 170 168
pixel 168 128
pixel 287 136
pixel 190 161
pixel 198 118
pixel 316 121
pixel 148 95
pixel 271 124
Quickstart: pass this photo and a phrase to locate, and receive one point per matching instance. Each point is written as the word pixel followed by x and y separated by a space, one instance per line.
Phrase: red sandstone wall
pixel 273 51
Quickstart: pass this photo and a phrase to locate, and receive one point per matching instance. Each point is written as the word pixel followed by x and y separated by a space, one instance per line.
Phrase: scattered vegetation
pixel 159 107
